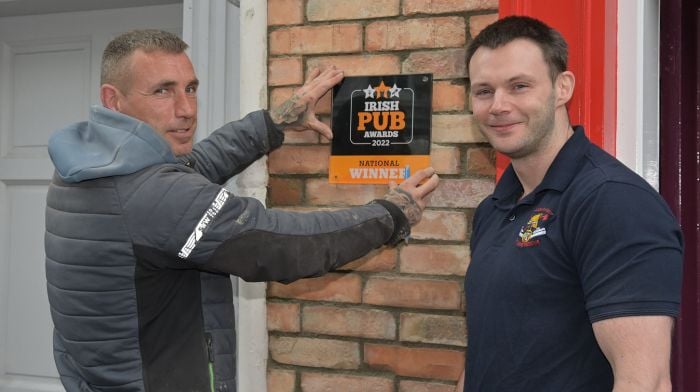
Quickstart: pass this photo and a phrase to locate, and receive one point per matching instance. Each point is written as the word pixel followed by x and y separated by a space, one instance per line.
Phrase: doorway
pixel 50 54
pixel 680 169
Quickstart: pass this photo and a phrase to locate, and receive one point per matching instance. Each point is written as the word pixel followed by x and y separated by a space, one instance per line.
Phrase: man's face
pixel 513 99
pixel 161 90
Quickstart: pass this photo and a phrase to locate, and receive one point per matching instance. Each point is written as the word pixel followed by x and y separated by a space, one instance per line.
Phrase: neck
pixel 532 168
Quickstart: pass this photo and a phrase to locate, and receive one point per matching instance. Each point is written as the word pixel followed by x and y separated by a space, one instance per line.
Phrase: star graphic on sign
pixel 369 92
pixel 382 90
pixel 394 92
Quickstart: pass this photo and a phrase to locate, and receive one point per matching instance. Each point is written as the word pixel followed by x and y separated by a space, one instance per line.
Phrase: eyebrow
pixel 171 83
pixel 510 80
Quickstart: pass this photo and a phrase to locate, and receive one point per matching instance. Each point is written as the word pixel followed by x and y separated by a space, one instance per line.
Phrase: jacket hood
pixel 108 144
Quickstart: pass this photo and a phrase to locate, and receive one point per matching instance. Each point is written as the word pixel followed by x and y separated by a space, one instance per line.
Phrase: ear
pixel 109 95
pixel 564 86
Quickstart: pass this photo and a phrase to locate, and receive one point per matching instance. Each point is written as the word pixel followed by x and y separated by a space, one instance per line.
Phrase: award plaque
pixel 381 128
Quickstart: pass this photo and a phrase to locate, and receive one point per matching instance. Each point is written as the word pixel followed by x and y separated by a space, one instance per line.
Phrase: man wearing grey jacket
pixel 141 237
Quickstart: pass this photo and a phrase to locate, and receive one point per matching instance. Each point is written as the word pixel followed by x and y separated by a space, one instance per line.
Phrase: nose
pixel 185 105
pixel 500 103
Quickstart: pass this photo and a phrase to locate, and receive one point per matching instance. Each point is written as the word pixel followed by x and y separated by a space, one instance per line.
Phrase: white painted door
pixel 49 76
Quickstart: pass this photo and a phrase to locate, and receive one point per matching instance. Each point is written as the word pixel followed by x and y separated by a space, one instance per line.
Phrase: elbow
pixel 653 384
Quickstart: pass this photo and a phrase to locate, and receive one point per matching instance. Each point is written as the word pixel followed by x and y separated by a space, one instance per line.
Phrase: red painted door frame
pixel 590 29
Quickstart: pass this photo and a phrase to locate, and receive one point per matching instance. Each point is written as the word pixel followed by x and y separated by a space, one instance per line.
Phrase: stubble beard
pixel 540 129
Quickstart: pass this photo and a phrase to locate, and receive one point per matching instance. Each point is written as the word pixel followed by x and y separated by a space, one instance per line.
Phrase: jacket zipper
pixel 210 353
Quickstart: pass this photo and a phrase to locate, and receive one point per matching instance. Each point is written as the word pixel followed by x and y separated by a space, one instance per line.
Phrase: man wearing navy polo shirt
pixel 575 275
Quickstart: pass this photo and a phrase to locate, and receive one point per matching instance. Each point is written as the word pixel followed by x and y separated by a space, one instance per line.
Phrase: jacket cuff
pixel 402 228
pixel 275 135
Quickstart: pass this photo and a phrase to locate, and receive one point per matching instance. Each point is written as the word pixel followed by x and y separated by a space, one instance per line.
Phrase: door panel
pixel 27 313
pixel 49 76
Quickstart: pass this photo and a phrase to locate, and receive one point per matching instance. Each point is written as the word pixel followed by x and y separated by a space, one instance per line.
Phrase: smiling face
pixel 160 89
pixel 514 100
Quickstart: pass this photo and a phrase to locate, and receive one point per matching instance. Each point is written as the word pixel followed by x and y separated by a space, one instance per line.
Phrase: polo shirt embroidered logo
pixel 534 228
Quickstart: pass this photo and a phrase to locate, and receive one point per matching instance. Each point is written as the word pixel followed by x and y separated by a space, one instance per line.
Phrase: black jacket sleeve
pixel 231 148
pixel 181 220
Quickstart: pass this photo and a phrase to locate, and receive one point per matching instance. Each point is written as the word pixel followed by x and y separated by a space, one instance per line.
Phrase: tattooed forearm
pixel 290 112
pixel 406 203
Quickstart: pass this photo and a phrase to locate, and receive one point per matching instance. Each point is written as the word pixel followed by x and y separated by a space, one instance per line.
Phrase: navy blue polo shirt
pixel 592 241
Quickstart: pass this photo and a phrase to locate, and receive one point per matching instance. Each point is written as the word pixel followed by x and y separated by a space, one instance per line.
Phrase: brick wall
pixel 394 320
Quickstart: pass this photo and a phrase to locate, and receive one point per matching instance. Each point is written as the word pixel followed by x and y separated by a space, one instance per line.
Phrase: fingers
pixel 418 176
pixel 421 184
pixel 428 186
pixel 321 127
pixel 318 83
pixel 313 75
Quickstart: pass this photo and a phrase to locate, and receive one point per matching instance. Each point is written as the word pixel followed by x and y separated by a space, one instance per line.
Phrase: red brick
pixel 285 12
pixel 320 382
pixel 364 323
pixel 444 32
pixel 283 317
pixel 412 293
pixel 379 260
pixel 456 128
pixel 443 64
pixel 417 386
pixel 324 10
pixel 279 380
pixel 302 137
pixel 449 96
pixel 415 361
pixel 445 159
pixel 441 225
pixel 336 38
pixel 478 22
pixel 363 64
pixel 435 329
pixel 412 7
pixel 434 259
pixel 326 353
pixel 481 161
pixel 330 287
pixel 290 159
pixel 285 191
pixel 320 192
pixel 461 193
pixel 323 106
pixel 284 71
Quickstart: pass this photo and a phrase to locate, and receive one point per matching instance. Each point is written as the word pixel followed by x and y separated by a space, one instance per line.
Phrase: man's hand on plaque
pixel 411 195
pixel 298 113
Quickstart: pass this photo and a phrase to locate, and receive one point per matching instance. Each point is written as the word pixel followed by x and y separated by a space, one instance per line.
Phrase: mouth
pixel 502 127
pixel 183 135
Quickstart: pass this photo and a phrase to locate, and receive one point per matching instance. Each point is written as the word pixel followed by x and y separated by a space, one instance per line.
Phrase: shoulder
pixel 603 175
pixel 160 181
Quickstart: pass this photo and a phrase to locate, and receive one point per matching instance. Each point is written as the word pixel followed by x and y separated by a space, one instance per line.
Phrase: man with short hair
pixel 575 271
pixel 141 236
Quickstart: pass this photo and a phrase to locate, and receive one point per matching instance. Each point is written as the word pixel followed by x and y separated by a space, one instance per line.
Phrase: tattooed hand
pixel 299 112
pixel 409 196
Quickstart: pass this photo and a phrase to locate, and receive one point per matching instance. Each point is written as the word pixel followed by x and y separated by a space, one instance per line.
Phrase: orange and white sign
pixel 381 127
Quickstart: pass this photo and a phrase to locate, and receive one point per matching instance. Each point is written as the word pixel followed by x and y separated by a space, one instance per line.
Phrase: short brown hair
pixel 114 70
pixel 510 28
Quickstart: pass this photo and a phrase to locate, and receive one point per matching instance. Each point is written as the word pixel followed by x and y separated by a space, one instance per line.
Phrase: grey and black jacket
pixel 140 244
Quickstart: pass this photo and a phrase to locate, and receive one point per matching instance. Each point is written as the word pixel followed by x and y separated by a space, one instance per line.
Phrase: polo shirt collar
pixel 558 176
